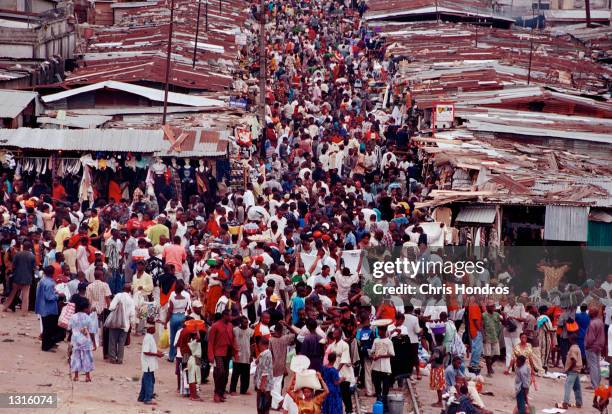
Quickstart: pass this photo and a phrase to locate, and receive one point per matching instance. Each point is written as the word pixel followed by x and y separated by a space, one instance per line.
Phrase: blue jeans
pixel 521 401
pixel 147 385
pixel 176 321
pixel 116 282
pixel 572 383
pixel 476 350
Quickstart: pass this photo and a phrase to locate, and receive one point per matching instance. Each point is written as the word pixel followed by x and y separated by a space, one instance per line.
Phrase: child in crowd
pixel 148 360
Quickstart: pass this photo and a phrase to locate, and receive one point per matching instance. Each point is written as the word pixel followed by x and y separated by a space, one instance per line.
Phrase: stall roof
pixel 76 121
pixel 517 171
pixel 134 49
pixel 484 215
pixel 121 140
pixel 199 142
pixel 153 94
pixel 397 9
pixel 13 102
pixel 537 124
pixel 442 58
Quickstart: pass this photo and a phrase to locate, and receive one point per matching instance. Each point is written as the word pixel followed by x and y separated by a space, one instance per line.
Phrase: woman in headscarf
pixel 546 336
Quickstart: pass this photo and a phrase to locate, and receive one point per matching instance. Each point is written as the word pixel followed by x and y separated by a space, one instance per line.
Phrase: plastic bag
pixel 164 340
pixel 65 315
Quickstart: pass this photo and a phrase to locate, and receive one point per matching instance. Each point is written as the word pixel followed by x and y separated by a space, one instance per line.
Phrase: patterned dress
pixel 81 359
pixel 333 402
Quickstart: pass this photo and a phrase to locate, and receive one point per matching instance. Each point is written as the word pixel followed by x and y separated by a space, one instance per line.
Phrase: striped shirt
pixel 97 292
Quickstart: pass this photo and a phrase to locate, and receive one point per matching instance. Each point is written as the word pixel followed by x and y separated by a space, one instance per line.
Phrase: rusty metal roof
pixel 134 49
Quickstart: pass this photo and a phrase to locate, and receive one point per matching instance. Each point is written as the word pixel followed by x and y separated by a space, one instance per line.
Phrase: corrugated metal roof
pixel 121 140
pixel 566 223
pixel 149 93
pixel 76 121
pixel 13 102
pixel 484 215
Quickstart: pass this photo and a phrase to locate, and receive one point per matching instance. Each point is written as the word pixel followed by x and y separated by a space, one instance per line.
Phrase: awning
pixel 483 215
pixel 566 223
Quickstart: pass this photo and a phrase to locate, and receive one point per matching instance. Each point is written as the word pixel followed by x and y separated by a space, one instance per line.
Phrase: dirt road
pixel 25 368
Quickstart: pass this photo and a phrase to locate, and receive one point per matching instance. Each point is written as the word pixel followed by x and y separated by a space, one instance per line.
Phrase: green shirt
pixel 492 326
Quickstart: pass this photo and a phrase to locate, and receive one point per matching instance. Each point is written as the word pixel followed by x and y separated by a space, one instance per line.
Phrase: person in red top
pixel 386 310
pixel 175 255
pixel 59 192
pixel 221 347
pixel 133 223
pixel 474 313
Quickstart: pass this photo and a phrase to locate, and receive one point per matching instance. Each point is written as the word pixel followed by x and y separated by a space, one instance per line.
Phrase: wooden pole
pixel 587 7
pixel 195 47
pixel 168 62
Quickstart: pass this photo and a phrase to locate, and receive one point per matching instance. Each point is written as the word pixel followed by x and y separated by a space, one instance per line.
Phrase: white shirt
pixel 148 363
pixel 344 285
pixel 129 310
pixel 341 349
pixel 248 199
pixel 382 347
pixel 411 323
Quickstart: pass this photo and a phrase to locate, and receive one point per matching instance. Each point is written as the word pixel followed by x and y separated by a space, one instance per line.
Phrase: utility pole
pixel 195 47
pixel 206 12
pixel 530 55
pixel 262 63
pixel 587 7
pixel 168 55
pixel 531 46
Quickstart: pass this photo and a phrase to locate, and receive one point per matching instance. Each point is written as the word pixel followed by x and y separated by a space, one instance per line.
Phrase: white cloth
pixel 148 363
pixel 129 309
pixel 341 349
pixel 411 323
pixel 277 391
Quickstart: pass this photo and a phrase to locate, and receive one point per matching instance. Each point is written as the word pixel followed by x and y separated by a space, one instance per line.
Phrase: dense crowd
pixel 243 280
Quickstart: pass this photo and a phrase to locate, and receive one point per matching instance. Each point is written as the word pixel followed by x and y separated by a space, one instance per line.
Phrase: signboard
pixel 238 103
pixel 444 115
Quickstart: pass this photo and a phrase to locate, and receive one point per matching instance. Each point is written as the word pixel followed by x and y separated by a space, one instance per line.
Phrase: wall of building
pixel 52 38
pixel 30 6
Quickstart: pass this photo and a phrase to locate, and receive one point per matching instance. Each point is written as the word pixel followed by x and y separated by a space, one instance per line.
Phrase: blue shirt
pixel 583 320
pixel 297 304
pixel 46 298
pixel 450 375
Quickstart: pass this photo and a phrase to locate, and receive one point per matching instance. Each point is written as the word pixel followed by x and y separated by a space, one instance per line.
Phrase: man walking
pixel 522 382
pixel 242 360
pixel 594 343
pixel 117 335
pixel 99 295
pixel 573 365
pixel 46 307
pixel 24 264
pixel 221 346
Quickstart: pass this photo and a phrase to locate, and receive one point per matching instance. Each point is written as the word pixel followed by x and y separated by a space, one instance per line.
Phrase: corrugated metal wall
pixel 566 223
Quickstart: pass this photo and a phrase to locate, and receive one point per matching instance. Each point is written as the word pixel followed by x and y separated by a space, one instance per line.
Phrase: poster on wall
pixel 444 116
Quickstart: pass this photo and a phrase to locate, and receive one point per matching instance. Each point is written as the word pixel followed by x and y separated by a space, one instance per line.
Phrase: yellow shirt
pixel 94 226
pixel 145 281
pixel 62 234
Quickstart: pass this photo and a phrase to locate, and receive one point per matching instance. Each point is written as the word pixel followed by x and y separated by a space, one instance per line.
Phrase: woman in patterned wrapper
pixel 82 341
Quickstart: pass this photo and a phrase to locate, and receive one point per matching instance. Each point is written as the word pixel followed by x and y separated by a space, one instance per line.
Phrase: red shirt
pixel 220 340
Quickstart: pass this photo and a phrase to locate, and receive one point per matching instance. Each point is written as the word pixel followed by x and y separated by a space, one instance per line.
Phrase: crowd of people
pixel 243 280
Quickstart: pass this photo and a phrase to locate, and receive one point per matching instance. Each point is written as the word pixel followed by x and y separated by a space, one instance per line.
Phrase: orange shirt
pixel 475 315
pixel 387 311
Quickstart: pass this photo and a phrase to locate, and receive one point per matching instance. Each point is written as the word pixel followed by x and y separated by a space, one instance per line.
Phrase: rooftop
pixel 134 50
